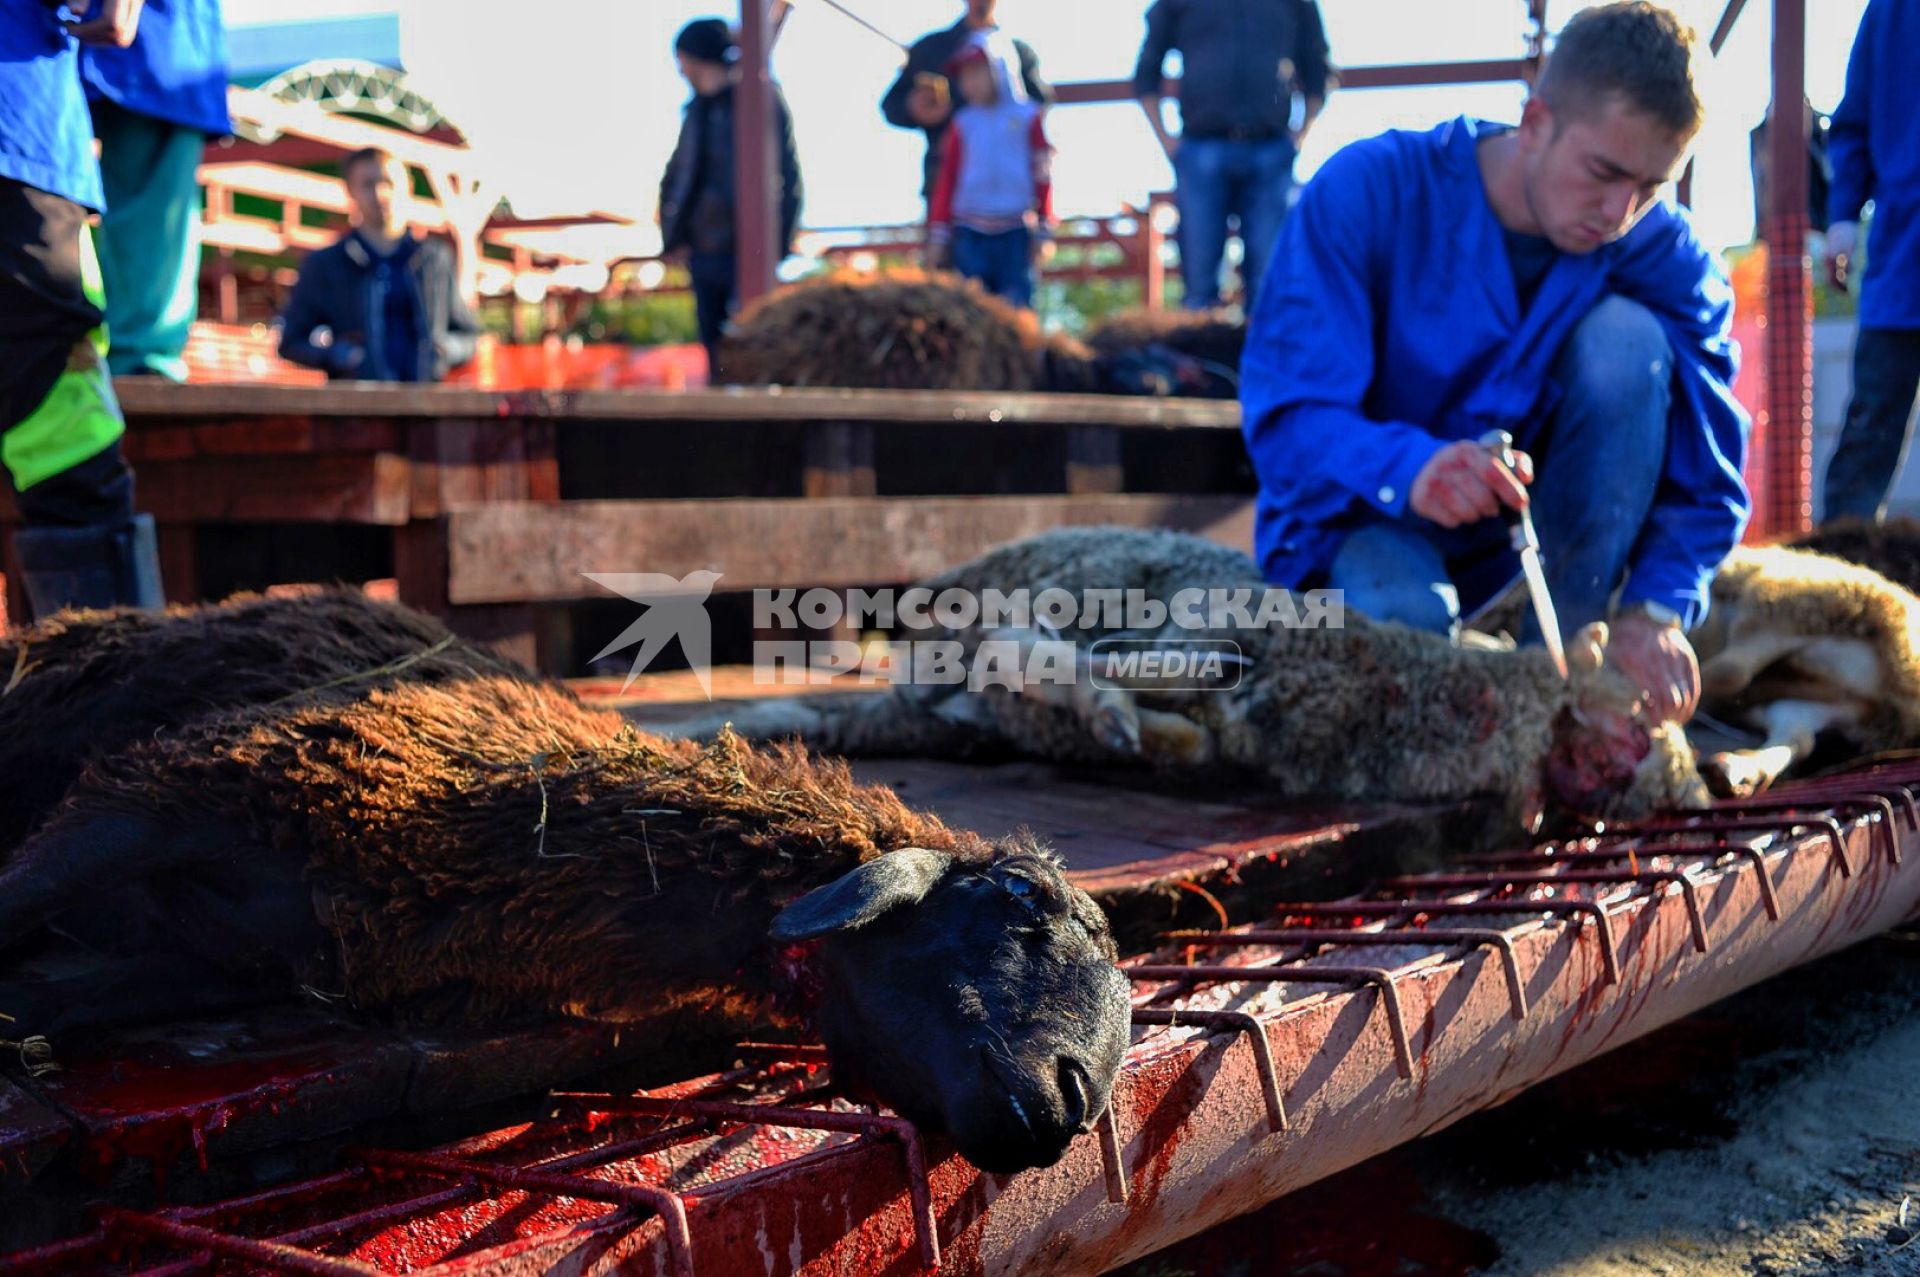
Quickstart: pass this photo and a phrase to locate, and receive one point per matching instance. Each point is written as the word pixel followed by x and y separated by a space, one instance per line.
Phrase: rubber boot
pixel 90 567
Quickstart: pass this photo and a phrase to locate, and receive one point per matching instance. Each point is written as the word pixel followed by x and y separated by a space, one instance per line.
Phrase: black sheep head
pixel 977 999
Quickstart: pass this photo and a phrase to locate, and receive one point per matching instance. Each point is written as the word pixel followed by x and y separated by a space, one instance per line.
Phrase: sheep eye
pixel 1019 888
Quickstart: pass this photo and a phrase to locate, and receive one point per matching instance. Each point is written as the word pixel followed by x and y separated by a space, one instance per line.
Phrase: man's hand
pixel 1464 483
pixel 1656 657
pixel 1842 241
pixel 1040 250
pixel 939 255
pixel 115 23
pixel 929 103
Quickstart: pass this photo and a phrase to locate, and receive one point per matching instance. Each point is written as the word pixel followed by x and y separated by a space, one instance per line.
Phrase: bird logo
pixel 676 607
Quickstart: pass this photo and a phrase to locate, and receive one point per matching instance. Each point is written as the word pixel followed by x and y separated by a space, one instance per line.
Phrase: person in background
pixel 388 300
pixel 1874 145
pixel 992 211
pixel 1432 287
pixel 697 189
pixel 923 97
pixel 60 424
pixel 1245 61
pixel 155 103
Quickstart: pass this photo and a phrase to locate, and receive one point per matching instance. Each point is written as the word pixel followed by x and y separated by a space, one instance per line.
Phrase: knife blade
pixel 1527 545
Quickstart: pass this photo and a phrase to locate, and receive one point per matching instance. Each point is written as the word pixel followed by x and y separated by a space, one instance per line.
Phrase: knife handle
pixel 1500 443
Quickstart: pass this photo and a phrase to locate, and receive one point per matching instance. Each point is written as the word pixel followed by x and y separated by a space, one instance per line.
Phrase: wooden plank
pixel 527 552
pixel 1093 460
pixel 458 462
pixel 337 488
pixel 142 398
pixel 839 460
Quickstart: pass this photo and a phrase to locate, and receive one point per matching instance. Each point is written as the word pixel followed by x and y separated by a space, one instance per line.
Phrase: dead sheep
pixel 1170 352
pixel 81 683
pixel 1806 649
pixel 1891 548
pixel 485 849
pixel 903 330
pixel 1365 712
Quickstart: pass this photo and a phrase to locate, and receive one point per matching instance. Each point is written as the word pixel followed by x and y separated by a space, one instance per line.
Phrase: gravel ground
pixel 1776 1134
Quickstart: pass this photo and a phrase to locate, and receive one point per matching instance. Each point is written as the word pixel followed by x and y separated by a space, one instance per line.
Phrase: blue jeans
pixel 1873 443
pixel 1597 464
pixel 1217 179
pixel 1002 262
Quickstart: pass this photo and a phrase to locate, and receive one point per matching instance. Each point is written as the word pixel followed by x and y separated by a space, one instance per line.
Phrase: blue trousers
pixel 149 239
pixel 1002 262
pixel 1597 465
pixel 1217 179
pixel 1873 442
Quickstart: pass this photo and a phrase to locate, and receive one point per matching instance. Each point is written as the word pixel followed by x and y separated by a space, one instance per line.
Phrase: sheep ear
pixel 1588 648
pixel 901 878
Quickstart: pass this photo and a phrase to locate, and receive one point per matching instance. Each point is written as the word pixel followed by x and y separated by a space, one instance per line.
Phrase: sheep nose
pixel 1076 1093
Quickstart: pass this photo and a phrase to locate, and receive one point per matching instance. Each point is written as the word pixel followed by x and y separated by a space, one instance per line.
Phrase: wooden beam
pixel 335 488
pixel 536 552
pixel 145 401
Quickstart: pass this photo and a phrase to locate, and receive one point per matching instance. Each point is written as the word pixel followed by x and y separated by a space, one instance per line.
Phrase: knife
pixel 1527 545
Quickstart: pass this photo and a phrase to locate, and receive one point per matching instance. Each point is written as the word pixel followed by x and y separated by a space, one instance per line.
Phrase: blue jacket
pixel 1875 148
pixel 175 70
pixel 1388 327
pixel 46 135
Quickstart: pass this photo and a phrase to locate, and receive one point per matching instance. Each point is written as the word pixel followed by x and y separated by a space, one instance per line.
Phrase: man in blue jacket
pixel 1874 146
pixel 155 104
pixel 60 425
pixel 1431 287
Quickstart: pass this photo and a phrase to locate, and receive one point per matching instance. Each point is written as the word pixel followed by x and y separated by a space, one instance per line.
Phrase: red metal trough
pixel 1268 1058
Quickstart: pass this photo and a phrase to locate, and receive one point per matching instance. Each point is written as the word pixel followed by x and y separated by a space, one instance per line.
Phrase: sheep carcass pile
pixel 900 330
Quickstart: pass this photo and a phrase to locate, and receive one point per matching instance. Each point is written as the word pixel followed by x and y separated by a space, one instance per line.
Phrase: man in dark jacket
pixel 388 299
pixel 1244 61
pixel 697 191
pixel 923 98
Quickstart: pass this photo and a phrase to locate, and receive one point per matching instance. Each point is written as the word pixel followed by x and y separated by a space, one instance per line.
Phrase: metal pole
pixel 1786 504
pixel 756 216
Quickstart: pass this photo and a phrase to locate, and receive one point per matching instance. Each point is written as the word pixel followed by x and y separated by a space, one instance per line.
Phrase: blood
pixel 1364 1223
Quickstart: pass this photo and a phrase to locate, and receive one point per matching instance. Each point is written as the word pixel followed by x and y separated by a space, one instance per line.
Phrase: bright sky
pixel 579 102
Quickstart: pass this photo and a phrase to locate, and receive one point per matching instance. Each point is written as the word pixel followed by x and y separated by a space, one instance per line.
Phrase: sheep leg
pixel 1731 670
pixel 74 857
pixel 1110 714
pixel 1791 727
pixel 1167 737
pixel 151 987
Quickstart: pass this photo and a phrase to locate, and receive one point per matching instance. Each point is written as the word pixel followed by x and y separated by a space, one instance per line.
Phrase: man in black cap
pixel 697 194
pixel 923 97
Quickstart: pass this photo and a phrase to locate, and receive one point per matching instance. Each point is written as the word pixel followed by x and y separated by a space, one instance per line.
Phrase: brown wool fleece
pixel 490 849
pixel 83 683
pixel 1778 589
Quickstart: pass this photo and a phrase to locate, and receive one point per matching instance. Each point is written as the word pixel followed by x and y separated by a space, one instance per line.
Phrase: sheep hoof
pixel 1732 775
pixel 1117 729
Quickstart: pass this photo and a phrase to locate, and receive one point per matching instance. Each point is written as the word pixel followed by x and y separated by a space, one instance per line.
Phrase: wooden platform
pixel 488 507
pixel 1118 831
